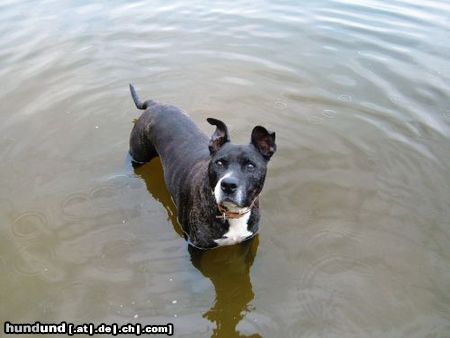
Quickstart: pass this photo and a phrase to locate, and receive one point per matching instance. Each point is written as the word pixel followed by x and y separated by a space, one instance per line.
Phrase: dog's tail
pixel 137 100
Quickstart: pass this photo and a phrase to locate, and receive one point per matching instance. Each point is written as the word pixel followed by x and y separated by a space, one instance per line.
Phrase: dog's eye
pixel 219 163
pixel 251 166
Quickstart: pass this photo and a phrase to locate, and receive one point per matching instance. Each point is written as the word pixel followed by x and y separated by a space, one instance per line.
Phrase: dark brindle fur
pixel 193 164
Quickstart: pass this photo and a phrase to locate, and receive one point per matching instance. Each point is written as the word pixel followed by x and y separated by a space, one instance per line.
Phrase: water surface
pixel 355 233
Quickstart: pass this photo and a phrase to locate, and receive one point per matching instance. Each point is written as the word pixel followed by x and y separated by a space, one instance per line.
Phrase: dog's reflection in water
pixel 227 267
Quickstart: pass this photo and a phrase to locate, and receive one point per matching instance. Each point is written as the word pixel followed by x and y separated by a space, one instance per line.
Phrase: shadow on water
pixel 228 268
pixel 153 176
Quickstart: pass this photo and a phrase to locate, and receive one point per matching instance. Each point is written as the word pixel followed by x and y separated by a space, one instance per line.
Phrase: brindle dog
pixel 214 184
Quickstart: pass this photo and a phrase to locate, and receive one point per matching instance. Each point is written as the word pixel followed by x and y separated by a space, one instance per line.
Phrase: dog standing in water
pixel 214 184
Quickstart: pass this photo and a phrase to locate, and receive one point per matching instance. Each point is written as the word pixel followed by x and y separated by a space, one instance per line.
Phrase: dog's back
pixel 179 143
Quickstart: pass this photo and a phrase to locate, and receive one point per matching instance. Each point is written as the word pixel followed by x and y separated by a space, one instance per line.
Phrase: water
pixel 355 233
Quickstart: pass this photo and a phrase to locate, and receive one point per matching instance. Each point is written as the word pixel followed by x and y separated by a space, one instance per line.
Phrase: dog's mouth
pixel 230 205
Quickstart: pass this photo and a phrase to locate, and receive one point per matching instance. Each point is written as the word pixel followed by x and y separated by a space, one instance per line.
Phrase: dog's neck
pixel 226 213
pixel 205 223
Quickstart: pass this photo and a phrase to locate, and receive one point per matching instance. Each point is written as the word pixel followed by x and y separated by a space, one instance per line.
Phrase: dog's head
pixel 237 172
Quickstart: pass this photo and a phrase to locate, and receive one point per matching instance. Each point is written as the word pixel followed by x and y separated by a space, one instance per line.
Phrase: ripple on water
pixel 96 203
pixel 345 98
pixel 29 225
pixel 24 263
pixel 34 243
pixel 324 288
pixel 280 105
pixel 113 254
pixel 333 234
pixel 237 81
pixel 71 205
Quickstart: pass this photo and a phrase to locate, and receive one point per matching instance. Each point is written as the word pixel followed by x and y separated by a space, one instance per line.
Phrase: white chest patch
pixel 237 231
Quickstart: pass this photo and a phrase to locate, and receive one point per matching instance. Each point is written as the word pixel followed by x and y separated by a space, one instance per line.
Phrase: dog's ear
pixel 264 141
pixel 220 136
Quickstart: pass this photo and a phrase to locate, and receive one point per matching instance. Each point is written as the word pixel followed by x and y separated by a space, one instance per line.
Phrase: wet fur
pixel 185 152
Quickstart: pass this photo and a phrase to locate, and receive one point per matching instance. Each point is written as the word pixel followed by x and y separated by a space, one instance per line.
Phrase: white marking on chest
pixel 237 231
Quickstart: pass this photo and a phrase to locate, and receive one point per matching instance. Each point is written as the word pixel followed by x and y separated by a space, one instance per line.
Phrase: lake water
pixel 355 232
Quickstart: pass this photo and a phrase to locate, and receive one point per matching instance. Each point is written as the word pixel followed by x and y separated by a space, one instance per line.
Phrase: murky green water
pixel 355 234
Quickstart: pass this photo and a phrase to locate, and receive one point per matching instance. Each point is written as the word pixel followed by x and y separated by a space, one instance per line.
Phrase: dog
pixel 215 185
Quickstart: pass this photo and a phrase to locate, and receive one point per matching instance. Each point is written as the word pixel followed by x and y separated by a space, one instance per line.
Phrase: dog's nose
pixel 229 185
